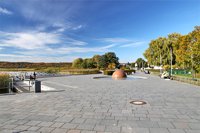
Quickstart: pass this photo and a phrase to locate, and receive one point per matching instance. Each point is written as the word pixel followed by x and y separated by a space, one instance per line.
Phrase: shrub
pixel 108 72
pixel 128 72
pixel 4 83
pixel 83 72
pixel 166 67
pixel 51 71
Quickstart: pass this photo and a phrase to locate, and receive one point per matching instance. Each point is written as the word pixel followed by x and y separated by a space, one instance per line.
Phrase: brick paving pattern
pixel 87 105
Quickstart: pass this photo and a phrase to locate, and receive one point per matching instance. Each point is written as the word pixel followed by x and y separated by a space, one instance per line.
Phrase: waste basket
pixel 37 86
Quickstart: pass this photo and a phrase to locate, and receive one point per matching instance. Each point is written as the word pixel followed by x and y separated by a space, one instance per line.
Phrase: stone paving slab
pixel 90 105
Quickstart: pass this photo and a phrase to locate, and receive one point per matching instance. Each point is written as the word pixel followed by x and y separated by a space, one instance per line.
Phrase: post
pixel 37 86
pixel 12 82
pixel 142 65
pixel 171 60
pixel 29 85
pixel 192 67
pixel 160 63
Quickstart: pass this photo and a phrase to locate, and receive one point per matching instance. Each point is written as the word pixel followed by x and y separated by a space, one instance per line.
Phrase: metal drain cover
pixel 138 102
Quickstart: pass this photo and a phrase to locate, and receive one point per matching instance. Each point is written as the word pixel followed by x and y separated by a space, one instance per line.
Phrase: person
pixel 34 74
pixel 31 77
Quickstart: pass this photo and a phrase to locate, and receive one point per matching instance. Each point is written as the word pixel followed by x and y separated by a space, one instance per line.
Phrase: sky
pixel 62 30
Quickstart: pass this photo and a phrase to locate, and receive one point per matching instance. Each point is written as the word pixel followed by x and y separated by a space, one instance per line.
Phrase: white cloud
pixel 77 27
pixel 133 44
pixel 30 40
pixel 59 13
pixel 58 27
pixel 123 42
pixel 24 58
pixel 74 42
pixel 115 40
pixel 64 50
pixel 5 11
pixel 12 55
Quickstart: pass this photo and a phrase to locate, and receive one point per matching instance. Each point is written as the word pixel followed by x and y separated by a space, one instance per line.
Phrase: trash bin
pixel 37 86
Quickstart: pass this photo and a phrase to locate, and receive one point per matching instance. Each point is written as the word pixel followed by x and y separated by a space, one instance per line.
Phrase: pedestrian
pixel 34 74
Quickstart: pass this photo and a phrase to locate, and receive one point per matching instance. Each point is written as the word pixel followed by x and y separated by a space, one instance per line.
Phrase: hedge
pixel 4 83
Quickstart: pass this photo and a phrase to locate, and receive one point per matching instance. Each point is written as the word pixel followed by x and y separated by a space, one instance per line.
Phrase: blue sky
pixel 62 30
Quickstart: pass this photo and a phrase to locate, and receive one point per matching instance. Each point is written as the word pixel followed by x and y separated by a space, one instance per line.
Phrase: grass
pixel 61 70
pixel 41 69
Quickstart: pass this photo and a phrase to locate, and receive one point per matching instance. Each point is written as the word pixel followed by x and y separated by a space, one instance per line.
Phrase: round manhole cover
pixel 138 102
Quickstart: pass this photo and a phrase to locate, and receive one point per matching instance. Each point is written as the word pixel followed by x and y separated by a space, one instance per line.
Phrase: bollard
pixel 37 86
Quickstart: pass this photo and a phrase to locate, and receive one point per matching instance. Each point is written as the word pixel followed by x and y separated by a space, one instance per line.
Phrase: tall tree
pixel 96 60
pixel 141 63
pixel 103 62
pixel 112 58
pixel 77 63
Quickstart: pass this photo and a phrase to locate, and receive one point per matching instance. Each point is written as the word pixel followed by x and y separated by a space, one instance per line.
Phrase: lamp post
pixel 171 60
pixel 160 63
pixel 192 66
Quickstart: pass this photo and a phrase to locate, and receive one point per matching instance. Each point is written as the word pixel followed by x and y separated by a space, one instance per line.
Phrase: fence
pixel 180 72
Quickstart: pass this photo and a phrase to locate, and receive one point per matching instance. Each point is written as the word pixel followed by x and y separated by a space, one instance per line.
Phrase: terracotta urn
pixel 119 74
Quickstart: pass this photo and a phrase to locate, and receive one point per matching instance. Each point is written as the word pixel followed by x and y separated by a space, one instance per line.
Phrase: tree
pixel 141 63
pixel 185 50
pixel 108 59
pixel 159 49
pixel 96 60
pixel 77 63
pixel 194 48
pixel 88 63
pixel 112 58
pixel 103 63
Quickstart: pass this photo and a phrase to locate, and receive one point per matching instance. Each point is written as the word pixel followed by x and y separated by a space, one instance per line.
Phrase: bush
pixel 4 83
pixel 51 71
pixel 128 72
pixel 83 72
pixel 166 67
pixel 108 72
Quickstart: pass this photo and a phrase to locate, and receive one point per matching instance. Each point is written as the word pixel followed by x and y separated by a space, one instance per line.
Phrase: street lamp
pixel 171 59
pixel 160 63
pixel 192 66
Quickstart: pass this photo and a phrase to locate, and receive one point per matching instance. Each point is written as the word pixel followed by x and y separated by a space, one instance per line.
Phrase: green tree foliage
pixel 195 48
pixel 96 60
pixel 185 50
pixel 108 60
pixel 112 58
pixel 103 62
pixel 88 63
pixel 77 63
pixel 141 63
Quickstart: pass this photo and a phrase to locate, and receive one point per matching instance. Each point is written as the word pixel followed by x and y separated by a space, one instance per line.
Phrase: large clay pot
pixel 119 74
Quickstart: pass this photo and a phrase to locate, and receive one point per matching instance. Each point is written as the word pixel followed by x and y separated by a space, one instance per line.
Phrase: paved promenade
pixel 82 104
